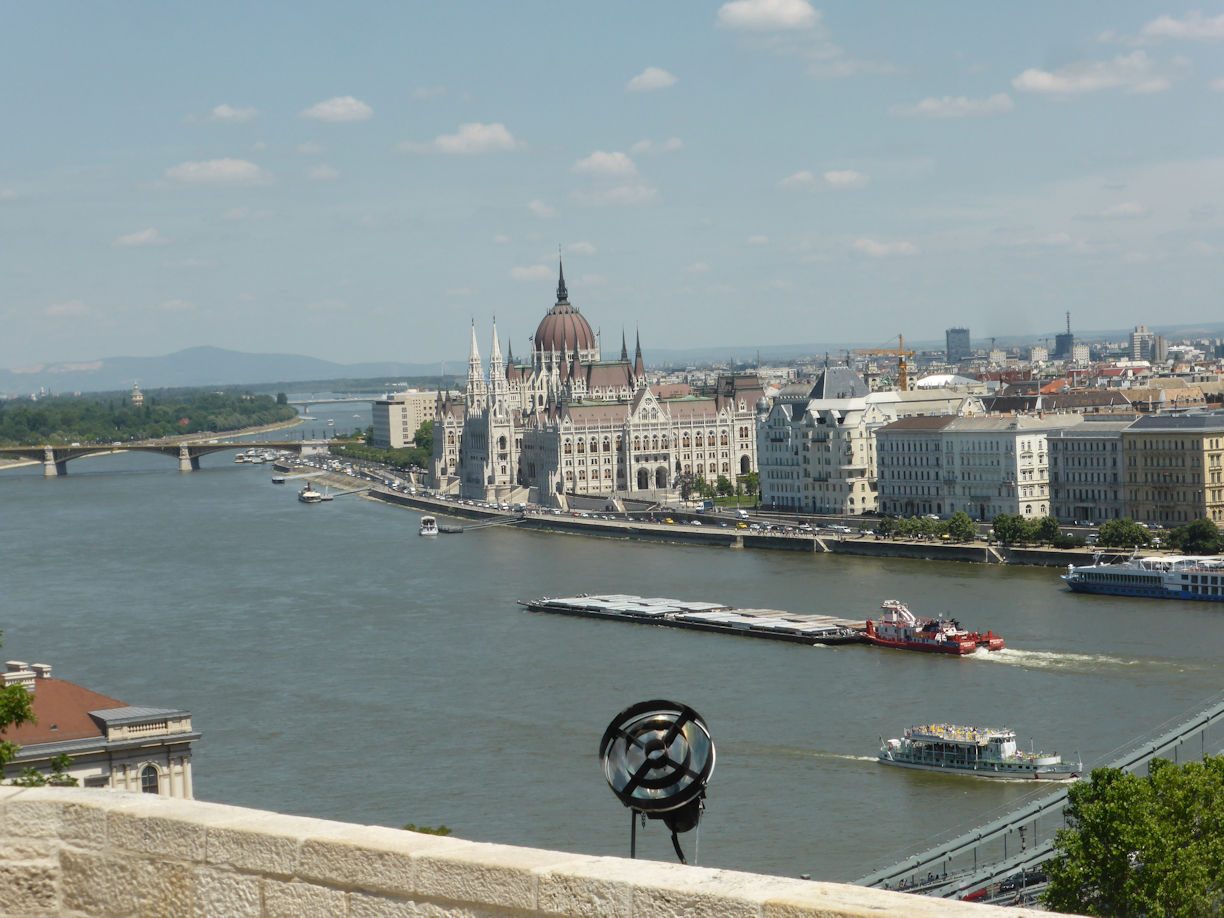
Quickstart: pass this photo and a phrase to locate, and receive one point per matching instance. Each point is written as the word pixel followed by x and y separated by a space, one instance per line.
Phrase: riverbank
pixel 710 533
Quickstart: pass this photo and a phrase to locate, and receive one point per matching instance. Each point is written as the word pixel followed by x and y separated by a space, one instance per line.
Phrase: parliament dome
pixel 563 328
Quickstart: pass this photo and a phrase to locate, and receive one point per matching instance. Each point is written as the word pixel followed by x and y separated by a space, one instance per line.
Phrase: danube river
pixel 339 666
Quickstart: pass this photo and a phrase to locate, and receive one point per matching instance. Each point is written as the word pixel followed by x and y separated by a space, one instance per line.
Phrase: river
pixel 339 666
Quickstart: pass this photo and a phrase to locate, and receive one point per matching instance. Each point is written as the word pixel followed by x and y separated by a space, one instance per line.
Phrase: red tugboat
pixel 899 627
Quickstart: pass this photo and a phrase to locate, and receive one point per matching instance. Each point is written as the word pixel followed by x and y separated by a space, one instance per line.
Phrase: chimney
pixel 42 670
pixel 17 674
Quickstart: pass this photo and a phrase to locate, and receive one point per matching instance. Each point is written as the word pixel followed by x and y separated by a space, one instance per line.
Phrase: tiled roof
pixel 62 709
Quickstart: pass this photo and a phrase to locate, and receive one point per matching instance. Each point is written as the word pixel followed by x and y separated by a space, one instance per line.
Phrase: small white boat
pixel 278 479
pixel 308 495
pixel 429 526
pixel 983 752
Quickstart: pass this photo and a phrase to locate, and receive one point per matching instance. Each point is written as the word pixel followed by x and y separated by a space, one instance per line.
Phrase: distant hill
pixel 195 366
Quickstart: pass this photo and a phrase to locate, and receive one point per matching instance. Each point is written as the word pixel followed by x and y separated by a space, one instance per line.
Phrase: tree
pixel 15 709
pixel 1008 528
pixel 723 485
pixel 960 527
pixel 1202 537
pixel 1123 533
pixel 423 438
pixel 887 526
pixel 1148 846
pixel 685 482
pixel 1048 529
pixel 282 398
pixel 751 482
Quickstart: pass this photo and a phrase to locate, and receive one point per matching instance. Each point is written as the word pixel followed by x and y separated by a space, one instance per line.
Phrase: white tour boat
pixel 429 526
pixel 1168 577
pixel 308 495
pixel 984 752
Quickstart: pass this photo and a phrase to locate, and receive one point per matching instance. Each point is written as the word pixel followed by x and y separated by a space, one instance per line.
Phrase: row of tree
pixel 416 456
pixel 105 419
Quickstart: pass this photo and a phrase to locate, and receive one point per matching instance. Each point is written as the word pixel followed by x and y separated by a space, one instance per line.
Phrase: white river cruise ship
pixel 985 752
pixel 1168 577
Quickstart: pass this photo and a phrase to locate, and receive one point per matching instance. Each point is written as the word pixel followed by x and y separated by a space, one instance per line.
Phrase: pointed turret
pixel 624 349
pixel 562 293
pixel 639 365
pixel 476 379
pixel 497 373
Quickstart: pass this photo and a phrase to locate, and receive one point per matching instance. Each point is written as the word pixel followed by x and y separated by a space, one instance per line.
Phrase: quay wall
pixel 81 853
pixel 682 532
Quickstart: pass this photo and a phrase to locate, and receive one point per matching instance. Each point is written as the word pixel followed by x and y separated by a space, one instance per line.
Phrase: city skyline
pixel 358 185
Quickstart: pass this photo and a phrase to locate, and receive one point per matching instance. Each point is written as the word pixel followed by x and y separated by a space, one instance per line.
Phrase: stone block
pixel 374 858
pixel 484 874
pixel 302 900
pixel 103 885
pixel 28 888
pixel 362 905
pixel 585 888
pixel 224 893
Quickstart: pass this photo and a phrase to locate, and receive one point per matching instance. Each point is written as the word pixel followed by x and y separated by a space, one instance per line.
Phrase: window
pixel 148 780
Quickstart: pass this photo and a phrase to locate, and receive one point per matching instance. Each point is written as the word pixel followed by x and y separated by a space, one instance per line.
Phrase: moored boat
pixel 1169 577
pixel 429 526
pixel 278 479
pixel 984 752
pixel 308 495
pixel 898 627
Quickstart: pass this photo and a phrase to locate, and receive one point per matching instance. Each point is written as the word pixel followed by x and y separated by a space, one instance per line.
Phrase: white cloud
pixel 846 178
pixel 177 306
pixel 601 163
pixel 259 145
pixel 1217 85
pixel 671 145
pixel 338 110
pixel 322 172
pixel 581 248
pixel 8 194
pixel 471 138
pixel 697 267
pixel 69 309
pixel 768 15
pixel 225 112
pixel 1194 27
pixel 1127 210
pixel 802 179
pixel 148 236
pixel 310 148
pixel 424 93
pixel 628 195
pixel 1134 72
pixel 758 240
pixel 500 239
pixel 883 249
pixel 1203 248
pixel 591 280
pixel 650 79
pixel 533 273
pixel 542 210
pixel 218 172
pixel 955 107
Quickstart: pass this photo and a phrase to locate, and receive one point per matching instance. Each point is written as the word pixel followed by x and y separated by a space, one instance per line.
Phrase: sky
pixel 362 181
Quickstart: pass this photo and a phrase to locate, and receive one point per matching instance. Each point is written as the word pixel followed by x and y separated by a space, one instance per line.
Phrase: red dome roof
pixel 563 329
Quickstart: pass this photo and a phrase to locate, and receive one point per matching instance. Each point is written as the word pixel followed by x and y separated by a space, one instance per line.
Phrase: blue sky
pixel 358 181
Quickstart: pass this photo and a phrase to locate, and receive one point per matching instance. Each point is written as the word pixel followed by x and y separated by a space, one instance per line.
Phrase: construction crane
pixel 899 352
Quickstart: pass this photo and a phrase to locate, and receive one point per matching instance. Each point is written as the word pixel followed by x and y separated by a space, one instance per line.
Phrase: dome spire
pixel 562 293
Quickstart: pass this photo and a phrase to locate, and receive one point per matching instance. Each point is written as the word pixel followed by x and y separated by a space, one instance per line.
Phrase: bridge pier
pixel 52 467
pixel 188 462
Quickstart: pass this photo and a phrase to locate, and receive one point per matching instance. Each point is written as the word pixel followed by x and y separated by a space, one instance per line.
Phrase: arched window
pixel 686 442
pixel 654 443
pixel 607 473
pixel 501 443
pixel 569 447
pixel 582 446
pixel 637 443
pixel 594 445
pixel 665 442
pixel 148 780
pixel 607 445
pixel 723 439
pixel 699 440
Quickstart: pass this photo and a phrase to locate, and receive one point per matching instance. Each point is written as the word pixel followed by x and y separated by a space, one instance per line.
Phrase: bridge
pixel 1003 860
pixel 55 459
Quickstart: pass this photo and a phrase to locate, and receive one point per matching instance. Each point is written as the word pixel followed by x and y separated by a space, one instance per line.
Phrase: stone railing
pixel 74 852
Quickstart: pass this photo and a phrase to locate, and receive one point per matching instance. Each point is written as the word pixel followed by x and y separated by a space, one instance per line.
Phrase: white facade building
pixel 397 417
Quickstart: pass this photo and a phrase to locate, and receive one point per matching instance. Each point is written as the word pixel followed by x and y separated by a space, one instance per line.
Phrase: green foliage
pixel 1201 537
pixel 685 483
pixel 59 777
pixel 408 457
pixel 423 438
pixel 1068 541
pixel 1123 533
pixel 104 419
pixel 15 710
pixel 723 486
pixel 282 398
pixel 1143 846
pixel 961 528
pixel 751 482
pixel 428 830
pixel 1048 529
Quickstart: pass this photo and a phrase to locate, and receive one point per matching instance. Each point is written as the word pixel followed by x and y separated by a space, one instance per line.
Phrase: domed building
pixel 568 423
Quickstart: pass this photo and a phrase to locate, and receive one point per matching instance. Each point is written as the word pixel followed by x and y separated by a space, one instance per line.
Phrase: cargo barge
pixel 770 624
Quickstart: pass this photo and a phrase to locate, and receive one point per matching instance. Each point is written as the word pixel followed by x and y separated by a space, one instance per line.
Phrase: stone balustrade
pixel 75 852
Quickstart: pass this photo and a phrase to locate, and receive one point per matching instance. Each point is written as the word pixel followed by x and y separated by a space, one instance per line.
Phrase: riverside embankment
pixel 641 527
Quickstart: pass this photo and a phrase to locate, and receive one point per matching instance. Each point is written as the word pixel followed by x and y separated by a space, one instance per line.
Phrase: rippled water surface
pixel 340 666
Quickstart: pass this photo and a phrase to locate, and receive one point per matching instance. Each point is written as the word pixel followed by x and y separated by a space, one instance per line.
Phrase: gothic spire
pixel 624 349
pixel 639 365
pixel 562 293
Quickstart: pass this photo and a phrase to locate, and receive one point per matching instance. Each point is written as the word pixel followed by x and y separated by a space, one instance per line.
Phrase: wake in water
pixel 843 757
pixel 1081 662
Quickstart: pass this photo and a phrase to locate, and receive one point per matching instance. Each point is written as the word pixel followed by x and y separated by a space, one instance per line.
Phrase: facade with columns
pixel 566 421
pixel 111 744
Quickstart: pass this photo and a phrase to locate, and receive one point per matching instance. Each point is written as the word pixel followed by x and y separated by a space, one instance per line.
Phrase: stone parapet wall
pixel 74 852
